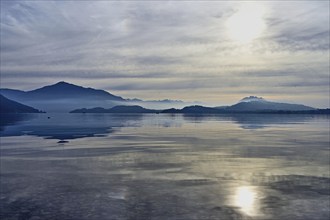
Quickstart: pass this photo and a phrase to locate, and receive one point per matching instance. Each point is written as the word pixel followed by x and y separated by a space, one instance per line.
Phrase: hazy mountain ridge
pixel 194 110
pixel 63 97
pixel 116 109
pixel 266 106
pixel 198 109
pixel 66 97
pixel 10 106
pixel 62 90
pixel 250 104
pixel 9 93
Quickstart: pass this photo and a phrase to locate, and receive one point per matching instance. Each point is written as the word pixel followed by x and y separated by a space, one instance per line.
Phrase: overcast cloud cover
pixel 168 49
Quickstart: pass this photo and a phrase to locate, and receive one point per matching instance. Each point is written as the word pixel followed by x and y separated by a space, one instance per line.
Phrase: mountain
pixel 10 106
pixel 197 109
pixel 253 103
pixel 61 90
pixel 171 110
pixel 221 107
pixel 160 104
pixel 12 93
pixel 116 109
pixel 63 97
pixel 194 109
pixel 131 109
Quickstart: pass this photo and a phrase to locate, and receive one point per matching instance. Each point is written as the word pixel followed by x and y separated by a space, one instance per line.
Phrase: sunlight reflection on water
pixel 245 198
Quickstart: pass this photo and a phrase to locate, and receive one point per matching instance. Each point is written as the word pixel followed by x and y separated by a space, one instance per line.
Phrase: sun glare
pixel 247 23
pixel 245 199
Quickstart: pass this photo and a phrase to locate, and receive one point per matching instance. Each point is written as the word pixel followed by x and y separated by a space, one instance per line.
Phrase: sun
pixel 247 23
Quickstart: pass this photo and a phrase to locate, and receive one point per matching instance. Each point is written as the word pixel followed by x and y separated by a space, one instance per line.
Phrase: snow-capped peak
pixel 252 99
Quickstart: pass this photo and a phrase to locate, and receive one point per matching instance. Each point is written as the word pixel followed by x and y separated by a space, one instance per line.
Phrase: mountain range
pixel 195 110
pixel 117 109
pixel 60 90
pixel 66 97
pixel 253 103
pixel 63 97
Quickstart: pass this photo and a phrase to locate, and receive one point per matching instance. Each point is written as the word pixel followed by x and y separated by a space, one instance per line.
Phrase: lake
pixel 159 166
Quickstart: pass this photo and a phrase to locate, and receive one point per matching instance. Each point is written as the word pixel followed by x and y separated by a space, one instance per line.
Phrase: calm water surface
pixel 155 166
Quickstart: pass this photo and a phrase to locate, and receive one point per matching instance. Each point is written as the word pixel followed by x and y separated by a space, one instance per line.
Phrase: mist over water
pixel 159 166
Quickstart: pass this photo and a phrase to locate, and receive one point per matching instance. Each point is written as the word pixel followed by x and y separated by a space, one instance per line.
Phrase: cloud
pixel 173 48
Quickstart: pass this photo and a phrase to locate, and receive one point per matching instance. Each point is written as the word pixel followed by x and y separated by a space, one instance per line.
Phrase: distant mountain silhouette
pixel 116 109
pixel 159 104
pixel 63 97
pixel 9 106
pixel 199 109
pixel 194 110
pixel 12 93
pixel 61 90
pixel 251 104
pixel 171 110
pixel 221 107
pixel 131 109
pixel 254 103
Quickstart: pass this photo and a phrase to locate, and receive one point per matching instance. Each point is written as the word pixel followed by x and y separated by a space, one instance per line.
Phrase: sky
pixel 216 52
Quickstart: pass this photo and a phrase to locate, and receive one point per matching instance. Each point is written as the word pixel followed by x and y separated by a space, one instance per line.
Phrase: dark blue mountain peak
pixel 63 90
pixel 63 83
pixel 58 86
